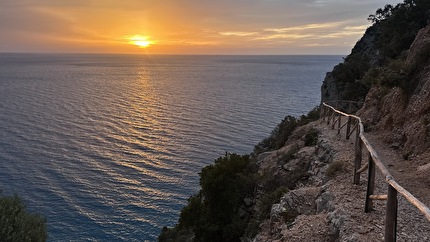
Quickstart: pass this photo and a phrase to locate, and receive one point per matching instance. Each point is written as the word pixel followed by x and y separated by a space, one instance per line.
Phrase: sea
pixel 109 147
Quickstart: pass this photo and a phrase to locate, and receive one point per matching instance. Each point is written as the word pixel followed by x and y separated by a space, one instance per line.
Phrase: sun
pixel 139 40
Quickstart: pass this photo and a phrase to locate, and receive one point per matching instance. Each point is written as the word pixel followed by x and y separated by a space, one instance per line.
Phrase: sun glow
pixel 141 41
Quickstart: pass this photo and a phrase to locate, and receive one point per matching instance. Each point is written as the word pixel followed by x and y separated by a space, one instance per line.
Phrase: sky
pixel 185 26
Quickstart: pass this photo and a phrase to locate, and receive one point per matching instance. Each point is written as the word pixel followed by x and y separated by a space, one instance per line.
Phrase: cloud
pixel 314 26
pixel 238 33
pixel 27 24
pixel 313 31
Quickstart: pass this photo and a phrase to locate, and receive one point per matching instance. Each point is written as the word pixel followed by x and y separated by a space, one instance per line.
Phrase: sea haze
pixel 108 147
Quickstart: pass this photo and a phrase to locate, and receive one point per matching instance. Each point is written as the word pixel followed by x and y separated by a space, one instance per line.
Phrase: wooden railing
pixel 353 123
pixel 345 106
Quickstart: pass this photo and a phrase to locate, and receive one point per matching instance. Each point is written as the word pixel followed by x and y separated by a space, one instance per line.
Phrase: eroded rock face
pixel 402 116
pixel 305 207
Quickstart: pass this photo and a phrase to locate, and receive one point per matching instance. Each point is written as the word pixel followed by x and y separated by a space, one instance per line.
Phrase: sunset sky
pixel 185 26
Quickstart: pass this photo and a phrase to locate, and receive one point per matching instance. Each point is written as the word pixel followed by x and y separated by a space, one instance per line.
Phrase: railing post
pixel 334 120
pixel 338 124
pixel 391 215
pixel 370 185
pixel 322 112
pixel 348 127
pixel 358 156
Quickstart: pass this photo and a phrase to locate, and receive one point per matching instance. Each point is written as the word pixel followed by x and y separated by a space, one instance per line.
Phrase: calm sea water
pixel 108 147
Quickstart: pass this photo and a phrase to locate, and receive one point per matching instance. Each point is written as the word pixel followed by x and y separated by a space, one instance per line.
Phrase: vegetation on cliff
pixel 378 58
pixel 283 130
pixel 17 224
pixel 235 196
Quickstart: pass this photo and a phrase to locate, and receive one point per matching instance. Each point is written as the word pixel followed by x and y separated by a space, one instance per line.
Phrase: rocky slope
pixel 402 115
pixel 326 206
pixel 395 88
pixel 388 69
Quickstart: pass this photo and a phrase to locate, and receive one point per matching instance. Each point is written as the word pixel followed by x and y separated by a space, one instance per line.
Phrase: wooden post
pixel 391 215
pixel 322 112
pixel 370 185
pixel 348 127
pixel 338 124
pixel 334 118
pixel 358 156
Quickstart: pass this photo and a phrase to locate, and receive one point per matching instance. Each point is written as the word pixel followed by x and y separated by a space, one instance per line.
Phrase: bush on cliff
pixel 17 224
pixel 283 130
pixel 219 211
pixel 393 31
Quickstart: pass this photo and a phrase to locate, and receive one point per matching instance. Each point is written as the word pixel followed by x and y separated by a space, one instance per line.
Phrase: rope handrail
pixel 374 160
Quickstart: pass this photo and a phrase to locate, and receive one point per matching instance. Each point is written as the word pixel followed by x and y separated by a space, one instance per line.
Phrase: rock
pixel 325 202
pixel 335 220
pixel 424 167
pixel 264 155
pixel 277 213
pixel 296 202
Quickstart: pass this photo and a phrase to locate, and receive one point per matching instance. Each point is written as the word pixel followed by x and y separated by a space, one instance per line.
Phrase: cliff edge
pixel 297 185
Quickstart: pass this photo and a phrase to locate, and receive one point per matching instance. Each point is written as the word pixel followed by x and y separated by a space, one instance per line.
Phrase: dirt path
pixel 360 226
pixel 342 216
pixel 405 172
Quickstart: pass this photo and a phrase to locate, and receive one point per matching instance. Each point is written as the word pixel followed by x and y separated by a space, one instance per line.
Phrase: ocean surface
pixel 108 147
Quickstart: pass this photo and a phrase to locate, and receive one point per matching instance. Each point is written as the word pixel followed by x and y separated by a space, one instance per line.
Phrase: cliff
pixel 297 184
pixel 376 56
pixel 389 69
pixel 395 88
pixel 402 115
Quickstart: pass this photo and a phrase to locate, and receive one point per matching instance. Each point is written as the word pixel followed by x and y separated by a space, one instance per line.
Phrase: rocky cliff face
pixel 338 83
pixel 374 58
pixel 402 114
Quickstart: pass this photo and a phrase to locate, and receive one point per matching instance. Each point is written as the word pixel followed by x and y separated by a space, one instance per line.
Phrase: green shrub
pixel 17 224
pixel 218 212
pixel 394 74
pixel 334 167
pixel 282 132
pixel 311 137
pixel 291 153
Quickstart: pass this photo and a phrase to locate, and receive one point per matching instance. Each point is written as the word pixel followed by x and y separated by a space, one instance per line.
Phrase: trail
pixel 411 224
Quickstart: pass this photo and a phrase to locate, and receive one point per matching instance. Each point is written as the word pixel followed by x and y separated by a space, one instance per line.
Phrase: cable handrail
pixel 374 160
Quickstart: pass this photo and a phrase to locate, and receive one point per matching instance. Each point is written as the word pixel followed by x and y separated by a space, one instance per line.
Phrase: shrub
pixel 218 212
pixel 394 74
pixel 282 132
pixel 334 167
pixel 311 137
pixel 17 224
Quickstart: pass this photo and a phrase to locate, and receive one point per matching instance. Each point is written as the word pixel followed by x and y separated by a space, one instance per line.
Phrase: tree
pixel 17 224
